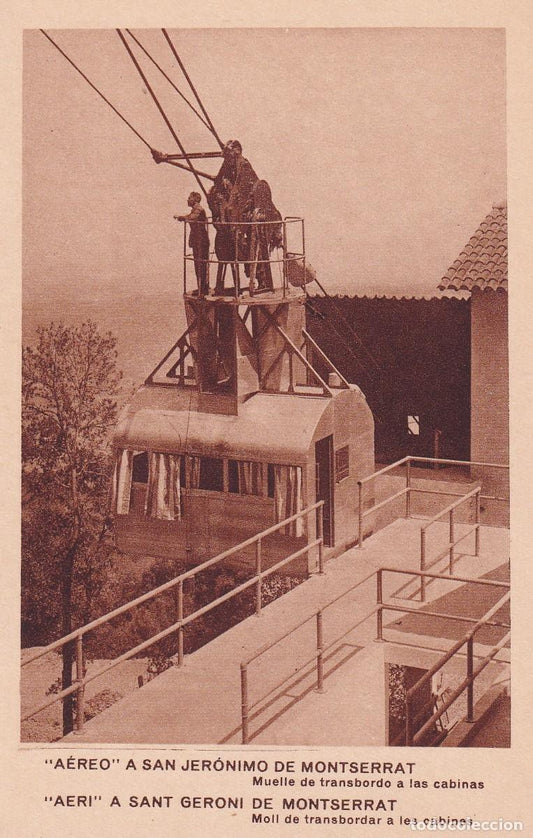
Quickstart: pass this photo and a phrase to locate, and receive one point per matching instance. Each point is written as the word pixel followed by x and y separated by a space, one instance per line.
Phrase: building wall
pixel 410 357
pixel 490 384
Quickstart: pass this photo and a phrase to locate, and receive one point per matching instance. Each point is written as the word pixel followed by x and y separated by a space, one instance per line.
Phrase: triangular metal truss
pixel 175 368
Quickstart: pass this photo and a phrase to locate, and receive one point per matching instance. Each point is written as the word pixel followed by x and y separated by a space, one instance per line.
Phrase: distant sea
pixel 145 325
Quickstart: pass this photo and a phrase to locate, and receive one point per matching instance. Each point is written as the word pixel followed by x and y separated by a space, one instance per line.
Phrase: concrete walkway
pixel 201 701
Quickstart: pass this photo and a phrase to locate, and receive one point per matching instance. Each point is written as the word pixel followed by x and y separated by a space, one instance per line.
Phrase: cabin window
pixel 139 483
pixel 233 477
pixel 413 425
pixel 245 478
pixel 140 468
pixel 211 474
pixel 270 480
pixel 342 463
pixel 148 483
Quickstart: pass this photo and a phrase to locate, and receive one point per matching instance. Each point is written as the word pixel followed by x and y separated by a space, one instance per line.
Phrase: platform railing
pixel 413 736
pixel 408 489
pixel 320 648
pixel 453 539
pixel 256 581
pixel 317 656
pixel 240 233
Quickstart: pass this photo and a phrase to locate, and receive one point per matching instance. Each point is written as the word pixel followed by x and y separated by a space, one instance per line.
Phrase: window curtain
pixel 250 478
pixel 288 498
pixel 194 473
pixel 163 498
pixel 122 482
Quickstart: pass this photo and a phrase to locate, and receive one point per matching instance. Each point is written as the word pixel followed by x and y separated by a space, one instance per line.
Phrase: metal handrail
pixel 318 655
pixel 453 541
pixel 408 489
pixel 246 706
pixel 81 679
pixel 294 628
pixel 440 460
pixel 466 684
pixel 242 227
pixel 450 507
pixel 490 582
pixel 385 469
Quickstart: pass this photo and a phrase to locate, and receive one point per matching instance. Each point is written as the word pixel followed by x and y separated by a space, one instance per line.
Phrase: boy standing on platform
pixel 198 240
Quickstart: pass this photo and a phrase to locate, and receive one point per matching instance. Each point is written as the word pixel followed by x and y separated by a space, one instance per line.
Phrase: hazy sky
pixel 390 142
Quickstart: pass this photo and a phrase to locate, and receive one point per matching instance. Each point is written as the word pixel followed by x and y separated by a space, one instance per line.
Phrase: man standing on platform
pixel 198 240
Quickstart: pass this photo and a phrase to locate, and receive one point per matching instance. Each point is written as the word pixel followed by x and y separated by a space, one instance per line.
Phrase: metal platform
pixel 258 298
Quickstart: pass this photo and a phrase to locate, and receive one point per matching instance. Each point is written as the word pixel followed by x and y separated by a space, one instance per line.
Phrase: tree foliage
pixel 69 388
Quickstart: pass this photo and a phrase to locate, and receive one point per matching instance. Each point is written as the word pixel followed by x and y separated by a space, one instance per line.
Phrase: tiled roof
pixel 380 296
pixel 483 262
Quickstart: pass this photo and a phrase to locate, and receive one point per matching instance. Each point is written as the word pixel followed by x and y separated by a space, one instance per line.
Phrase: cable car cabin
pixel 235 431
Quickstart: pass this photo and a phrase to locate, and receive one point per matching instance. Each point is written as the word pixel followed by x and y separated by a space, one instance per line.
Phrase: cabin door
pixel 324 485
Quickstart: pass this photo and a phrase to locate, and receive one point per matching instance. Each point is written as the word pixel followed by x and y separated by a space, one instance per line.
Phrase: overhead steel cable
pixel 347 324
pixel 175 87
pixel 348 346
pixel 191 85
pixel 367 375
pixel 89 82
pixel 160 109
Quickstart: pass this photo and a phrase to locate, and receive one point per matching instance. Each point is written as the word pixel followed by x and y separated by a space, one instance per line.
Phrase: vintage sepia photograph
pixel 265 388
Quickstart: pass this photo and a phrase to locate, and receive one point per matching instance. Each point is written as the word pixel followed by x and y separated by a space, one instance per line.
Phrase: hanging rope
pixel 160 109
pixel 191 85
pixel 89 82
pixel 175 87
pixel 186 169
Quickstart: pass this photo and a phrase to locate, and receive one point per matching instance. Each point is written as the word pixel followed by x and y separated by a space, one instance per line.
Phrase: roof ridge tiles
pixel 482 263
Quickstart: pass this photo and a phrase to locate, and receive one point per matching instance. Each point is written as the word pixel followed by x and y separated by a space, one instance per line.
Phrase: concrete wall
pixel 353 426
pixel 490 377
pixel 350 421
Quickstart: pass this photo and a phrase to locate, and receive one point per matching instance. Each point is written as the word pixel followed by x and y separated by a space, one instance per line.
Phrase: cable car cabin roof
pixel 275 428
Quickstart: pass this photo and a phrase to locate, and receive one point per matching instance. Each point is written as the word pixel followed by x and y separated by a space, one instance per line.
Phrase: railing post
pixel 320 534
pixel 303 254
pixel 258 584
pixel 408 721
pixel 469 673
pixel 319 654
pixel 379 599
pixel 422 564
pixel 284 227
pixel 452 539
pixel 185 258
pixel 180 618
pixel 291 373
pixel 244 702
pixel 360 515
pixel 80 693
pixel 478 519
pixel 408 489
